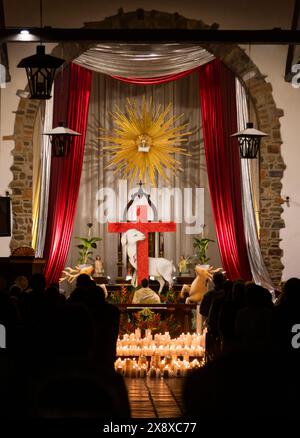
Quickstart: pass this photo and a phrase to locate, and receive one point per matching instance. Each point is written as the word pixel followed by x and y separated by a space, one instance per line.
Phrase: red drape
pixel 71 102
pixel 219 118
pixel 158 80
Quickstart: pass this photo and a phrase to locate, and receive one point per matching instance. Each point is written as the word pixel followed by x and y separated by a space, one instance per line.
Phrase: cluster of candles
pixel 167 367
pixel 163 353
pixel 185 345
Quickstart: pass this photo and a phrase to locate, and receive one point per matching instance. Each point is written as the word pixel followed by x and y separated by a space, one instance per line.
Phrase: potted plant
pixel 86 247
pixel 201 246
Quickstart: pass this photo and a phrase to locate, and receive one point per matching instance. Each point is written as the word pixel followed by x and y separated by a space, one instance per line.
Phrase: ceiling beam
pixel 49 34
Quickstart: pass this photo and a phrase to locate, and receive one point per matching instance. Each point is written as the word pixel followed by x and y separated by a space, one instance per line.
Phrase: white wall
pixel 234 14
pixel 271 62
pixel 9 103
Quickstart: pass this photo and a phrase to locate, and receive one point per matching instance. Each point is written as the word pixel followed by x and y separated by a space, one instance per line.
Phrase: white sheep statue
pixel 159 268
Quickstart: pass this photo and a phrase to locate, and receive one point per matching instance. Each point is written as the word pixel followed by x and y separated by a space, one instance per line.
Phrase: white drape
pixel 36 172
pixel 45 179
pixel 105 93
pixel 143 60
pixel 258 268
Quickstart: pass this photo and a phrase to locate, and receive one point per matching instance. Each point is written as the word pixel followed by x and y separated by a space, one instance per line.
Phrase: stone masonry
pixel 21 184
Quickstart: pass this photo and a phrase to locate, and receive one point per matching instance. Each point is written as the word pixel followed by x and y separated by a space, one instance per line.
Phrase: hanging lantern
pixel 249 141
pixel 40 70
pixel 61 138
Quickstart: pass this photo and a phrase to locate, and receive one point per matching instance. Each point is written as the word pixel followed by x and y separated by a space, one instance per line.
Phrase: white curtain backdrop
pixel 105 93
pixel 45 179
pixel 258 268
pixel 143 60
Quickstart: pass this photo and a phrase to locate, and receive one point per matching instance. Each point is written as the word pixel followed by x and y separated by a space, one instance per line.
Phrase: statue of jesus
pixel 182 265
pixel 99 269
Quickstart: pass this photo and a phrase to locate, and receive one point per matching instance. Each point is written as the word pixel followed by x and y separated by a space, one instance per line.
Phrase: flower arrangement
pixel 170 296
pixel 144 319
pixel 123 297
pixel 147 319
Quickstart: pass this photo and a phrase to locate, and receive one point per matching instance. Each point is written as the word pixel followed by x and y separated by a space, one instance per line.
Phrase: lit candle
pixel 138 333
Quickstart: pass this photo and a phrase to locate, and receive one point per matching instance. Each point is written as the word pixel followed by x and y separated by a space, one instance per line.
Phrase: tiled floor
pixel 155 398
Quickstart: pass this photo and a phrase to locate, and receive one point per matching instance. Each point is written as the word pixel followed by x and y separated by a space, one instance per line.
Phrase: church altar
pixel 155 340
pixel 174 318
pixel 150 237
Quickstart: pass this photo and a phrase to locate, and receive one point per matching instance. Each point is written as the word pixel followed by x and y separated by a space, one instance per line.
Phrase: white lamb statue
pixel 159 268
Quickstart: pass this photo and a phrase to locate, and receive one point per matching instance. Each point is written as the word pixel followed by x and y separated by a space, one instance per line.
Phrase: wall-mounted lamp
pixel 61 138
pixel 249 141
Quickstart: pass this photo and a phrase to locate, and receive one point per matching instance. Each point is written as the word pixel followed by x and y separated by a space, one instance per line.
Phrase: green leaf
pixel 95 239
pixel 82 239
pixel 197 241
pixel 86 245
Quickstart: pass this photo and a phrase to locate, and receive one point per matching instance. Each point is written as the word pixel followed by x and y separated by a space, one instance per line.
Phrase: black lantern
pixel 40 70
pixel 61 138
pixel 249 141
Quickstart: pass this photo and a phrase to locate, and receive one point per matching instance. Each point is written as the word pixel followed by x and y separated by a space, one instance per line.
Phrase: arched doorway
pixel 267 115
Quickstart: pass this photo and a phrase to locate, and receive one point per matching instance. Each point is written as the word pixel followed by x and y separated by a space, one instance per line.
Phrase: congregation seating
pixel 67 349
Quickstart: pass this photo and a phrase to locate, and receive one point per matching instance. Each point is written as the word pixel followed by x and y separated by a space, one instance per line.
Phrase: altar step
pixel 155 398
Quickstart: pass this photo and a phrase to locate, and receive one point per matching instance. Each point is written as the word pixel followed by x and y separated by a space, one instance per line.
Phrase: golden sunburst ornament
pixel 144 141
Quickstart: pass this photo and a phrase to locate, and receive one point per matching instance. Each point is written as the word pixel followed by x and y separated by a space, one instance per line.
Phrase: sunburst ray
pixel 144 140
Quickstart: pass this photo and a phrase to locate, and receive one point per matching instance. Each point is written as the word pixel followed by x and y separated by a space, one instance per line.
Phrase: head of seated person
pixel 38 283
pixel 84 280
pixel 145 295
pixel 90 296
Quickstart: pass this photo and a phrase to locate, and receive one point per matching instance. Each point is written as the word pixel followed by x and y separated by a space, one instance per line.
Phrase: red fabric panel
pixel 155 81
pixel 145 227
pixel 219 118
pixel 66 172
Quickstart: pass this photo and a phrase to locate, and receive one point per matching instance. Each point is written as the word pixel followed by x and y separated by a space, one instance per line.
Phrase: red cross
pixel 145 227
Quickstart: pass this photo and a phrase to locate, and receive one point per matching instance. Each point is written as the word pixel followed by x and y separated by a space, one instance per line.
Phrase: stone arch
pixel 267 115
